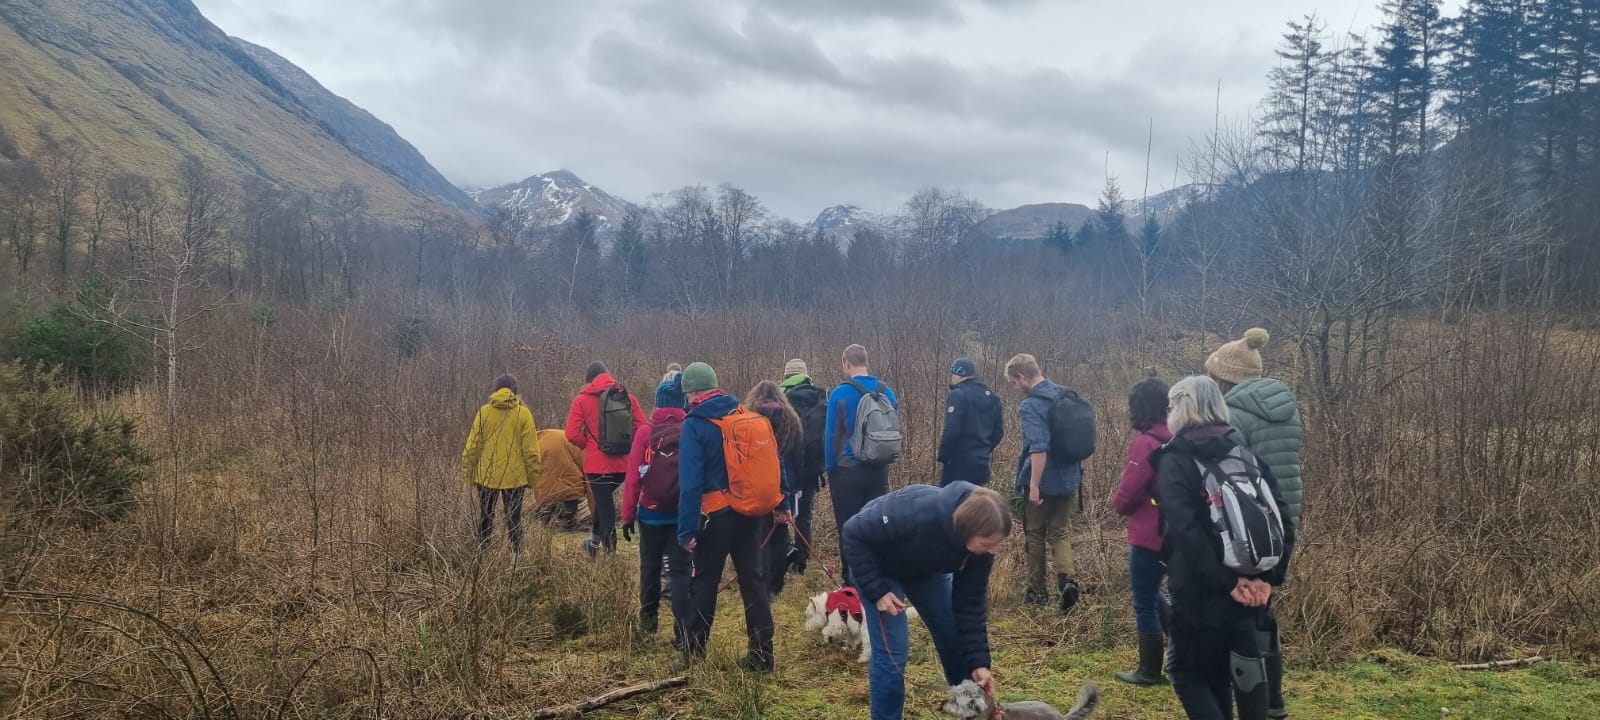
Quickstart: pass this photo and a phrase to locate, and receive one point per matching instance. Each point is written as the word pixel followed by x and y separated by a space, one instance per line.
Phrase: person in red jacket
pixel 605 471
pixel 1135 498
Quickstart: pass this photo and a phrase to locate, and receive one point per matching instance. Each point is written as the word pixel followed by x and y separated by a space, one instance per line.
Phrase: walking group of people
pixel 1210 488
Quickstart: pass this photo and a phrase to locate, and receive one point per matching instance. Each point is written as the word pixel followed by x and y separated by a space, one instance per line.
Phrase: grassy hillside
pixel 144 82
pixel 370 138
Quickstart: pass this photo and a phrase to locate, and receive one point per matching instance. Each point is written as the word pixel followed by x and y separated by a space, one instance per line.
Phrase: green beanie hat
pixel 699 377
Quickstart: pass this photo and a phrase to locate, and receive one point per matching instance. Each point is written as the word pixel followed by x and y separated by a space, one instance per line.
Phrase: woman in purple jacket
pixel 1135 498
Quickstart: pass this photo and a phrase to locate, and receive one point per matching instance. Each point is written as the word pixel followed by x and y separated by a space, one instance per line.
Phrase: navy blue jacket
pixel 1059 480
pixel 845 397
pixel 702 466
pixel 973 427
pixel 910 534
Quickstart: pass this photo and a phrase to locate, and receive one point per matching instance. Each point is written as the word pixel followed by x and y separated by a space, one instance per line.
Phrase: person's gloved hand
pixel 627 532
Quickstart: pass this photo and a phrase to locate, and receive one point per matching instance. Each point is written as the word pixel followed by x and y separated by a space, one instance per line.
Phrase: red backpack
pixel 658 487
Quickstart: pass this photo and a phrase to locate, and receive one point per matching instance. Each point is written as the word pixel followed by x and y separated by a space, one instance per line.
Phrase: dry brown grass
pixel 305 549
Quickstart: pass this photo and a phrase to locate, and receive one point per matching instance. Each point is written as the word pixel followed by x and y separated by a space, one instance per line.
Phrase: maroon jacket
pixel 583 426
pixel 1135 496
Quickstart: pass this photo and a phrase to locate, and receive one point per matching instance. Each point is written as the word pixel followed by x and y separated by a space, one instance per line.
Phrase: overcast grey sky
pixel 806 103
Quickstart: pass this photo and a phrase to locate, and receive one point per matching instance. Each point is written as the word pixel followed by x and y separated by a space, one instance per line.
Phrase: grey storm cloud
pixel 935 10
pixel 805 103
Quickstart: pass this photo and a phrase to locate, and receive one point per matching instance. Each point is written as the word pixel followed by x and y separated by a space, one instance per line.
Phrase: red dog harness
pixel 846 603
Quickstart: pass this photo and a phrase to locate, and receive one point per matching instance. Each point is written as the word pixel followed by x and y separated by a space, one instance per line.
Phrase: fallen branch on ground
pixel 583 706
pixel 1501 663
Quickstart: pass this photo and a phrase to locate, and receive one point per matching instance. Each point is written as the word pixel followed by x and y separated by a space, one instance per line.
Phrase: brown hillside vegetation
pixel 142 83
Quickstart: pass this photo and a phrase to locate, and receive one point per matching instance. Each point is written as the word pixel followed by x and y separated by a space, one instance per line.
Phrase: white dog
pixel 837 615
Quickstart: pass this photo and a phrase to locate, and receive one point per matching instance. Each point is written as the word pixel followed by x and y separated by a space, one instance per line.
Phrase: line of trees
pixel 1446 164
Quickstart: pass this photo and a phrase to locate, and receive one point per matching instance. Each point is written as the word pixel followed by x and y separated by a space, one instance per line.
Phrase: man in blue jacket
pixel 1049 488
pixel 712 532
pixel 853 483
pixel 934 547
pixel 973 427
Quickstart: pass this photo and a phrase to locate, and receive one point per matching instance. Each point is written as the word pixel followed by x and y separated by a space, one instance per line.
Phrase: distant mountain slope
pixel 840 222
pixel 1032 222
pixel 550 200
pixel 370 138
pixel 144 82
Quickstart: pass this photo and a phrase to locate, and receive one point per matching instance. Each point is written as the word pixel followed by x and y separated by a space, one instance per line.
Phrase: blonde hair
pixel 984 513
pixel 1022 365
pixel 1195 401
pixel 672 369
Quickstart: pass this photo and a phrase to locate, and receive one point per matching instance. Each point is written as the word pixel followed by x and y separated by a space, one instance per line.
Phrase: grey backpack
pixel 876 437
pixel 1243 512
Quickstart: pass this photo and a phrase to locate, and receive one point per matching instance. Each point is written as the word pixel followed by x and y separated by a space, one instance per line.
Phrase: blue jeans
pixel 1144 575
pixel 890 639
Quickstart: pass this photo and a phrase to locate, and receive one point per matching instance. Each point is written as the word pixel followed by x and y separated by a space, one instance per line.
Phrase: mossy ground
pixel 1038 656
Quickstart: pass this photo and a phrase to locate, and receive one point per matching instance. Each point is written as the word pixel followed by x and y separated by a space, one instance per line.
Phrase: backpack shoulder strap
pixel 862 388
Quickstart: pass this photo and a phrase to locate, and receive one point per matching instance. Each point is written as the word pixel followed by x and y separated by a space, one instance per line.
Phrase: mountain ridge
pixel 144 83
pixel 366 135
pixel 549 200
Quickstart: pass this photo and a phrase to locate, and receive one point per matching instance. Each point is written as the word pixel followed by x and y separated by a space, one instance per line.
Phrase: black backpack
pixel 810 402
pixel 616 421
pixel 1072 428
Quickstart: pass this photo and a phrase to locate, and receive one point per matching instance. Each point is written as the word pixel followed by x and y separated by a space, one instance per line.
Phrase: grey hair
pixel 1196 402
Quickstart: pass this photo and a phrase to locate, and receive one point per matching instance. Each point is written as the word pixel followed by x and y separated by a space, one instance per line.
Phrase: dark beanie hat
pixel 594 370
pixel 507 381
pixel 964 367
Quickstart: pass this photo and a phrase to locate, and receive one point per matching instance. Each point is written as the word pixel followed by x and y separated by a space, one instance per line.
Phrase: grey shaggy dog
pixel 967 701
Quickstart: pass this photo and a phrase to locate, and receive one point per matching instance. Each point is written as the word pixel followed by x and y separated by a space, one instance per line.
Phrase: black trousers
pixel 975 473
pixel 1214 667
pixel 654 542
pixel 802 515
pixel 605 509
pixel 775 556
pixel 852 488
pixel 724 536
pixel 511 499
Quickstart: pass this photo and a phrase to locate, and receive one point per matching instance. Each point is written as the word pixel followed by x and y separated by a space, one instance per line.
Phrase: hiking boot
pixel 591 547
pixel 756 663
pixel 1069 592
pixel 681 663
pixel 797 561
pixel 1034 597
pixel 1151 651
pixel 649 625
pixel 666 565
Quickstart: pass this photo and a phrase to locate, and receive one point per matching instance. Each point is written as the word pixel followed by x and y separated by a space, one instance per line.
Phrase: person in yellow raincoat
pixel 502 459
pixel 562 484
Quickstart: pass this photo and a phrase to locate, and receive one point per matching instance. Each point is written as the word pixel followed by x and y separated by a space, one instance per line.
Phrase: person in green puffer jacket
pixel 1266 418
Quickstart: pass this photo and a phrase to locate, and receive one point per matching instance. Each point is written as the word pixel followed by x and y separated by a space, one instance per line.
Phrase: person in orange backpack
pixel 729 480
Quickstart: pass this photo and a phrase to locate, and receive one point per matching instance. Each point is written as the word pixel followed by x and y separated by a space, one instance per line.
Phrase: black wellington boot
pixel 1152 649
